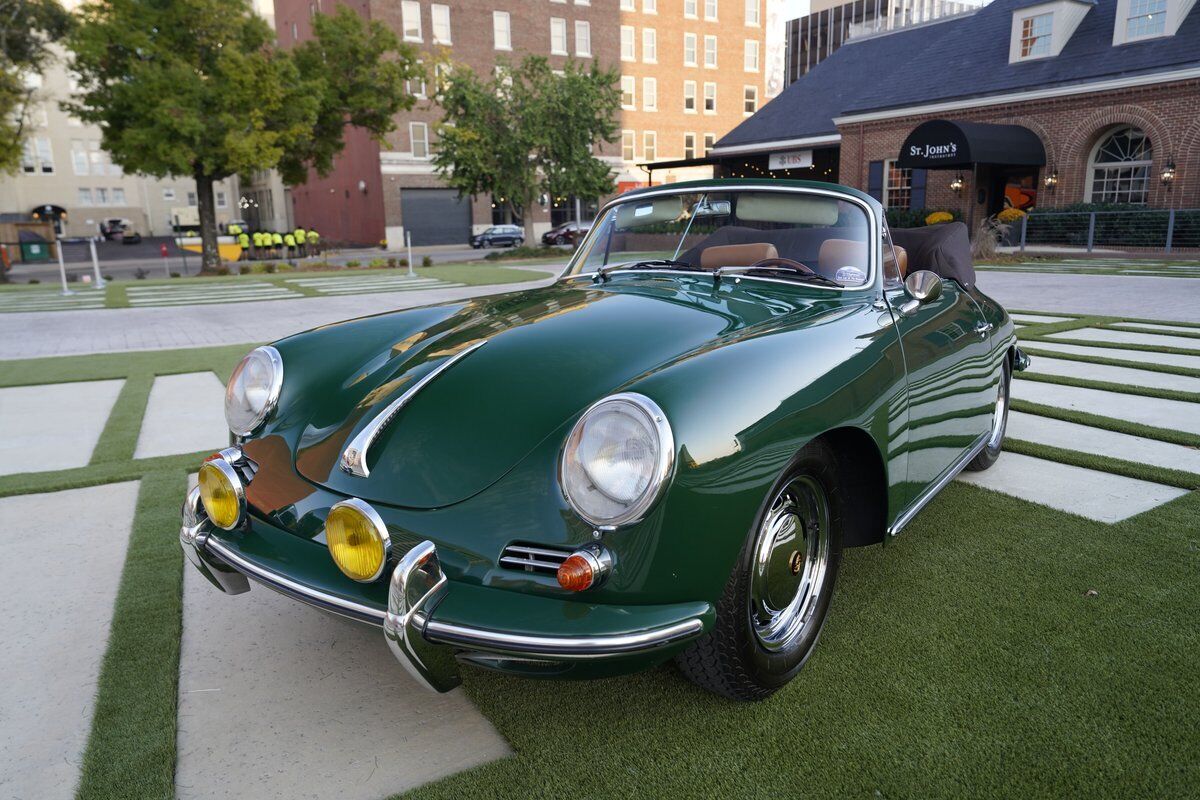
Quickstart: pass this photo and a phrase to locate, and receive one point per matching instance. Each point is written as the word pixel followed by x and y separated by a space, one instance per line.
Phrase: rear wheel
pixel 774 606
pixel 995 442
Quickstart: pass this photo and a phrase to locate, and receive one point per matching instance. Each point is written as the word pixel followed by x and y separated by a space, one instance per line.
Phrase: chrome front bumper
pixel 425 646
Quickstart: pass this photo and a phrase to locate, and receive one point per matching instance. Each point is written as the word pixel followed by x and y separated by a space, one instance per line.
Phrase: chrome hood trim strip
pixel 354 457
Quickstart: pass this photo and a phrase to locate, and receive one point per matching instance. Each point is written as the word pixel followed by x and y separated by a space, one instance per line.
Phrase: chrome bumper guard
pixel 424 646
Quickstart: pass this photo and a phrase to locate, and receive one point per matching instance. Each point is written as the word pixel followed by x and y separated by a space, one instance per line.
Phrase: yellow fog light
pixel 357 539
pixel 221 493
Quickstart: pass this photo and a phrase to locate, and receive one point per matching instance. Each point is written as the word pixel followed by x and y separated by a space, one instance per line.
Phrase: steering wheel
pixel 786 263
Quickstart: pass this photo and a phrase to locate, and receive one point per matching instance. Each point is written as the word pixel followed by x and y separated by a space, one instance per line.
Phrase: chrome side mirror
pixel 923 287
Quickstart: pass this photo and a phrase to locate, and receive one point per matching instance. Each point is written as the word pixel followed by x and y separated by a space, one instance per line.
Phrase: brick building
pixel 1018 104
pixel 690 71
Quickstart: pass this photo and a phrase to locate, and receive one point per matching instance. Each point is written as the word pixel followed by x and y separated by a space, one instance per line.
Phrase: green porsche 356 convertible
pixel 660 455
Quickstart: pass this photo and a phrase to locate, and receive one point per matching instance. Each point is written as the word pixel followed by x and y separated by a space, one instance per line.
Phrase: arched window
pixel 1119 169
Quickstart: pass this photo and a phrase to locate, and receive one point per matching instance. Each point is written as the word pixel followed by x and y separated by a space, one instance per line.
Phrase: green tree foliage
pixel 28 28
pixel 526 132
pixel 198 87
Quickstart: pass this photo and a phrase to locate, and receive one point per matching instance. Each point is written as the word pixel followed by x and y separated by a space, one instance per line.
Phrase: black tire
pixel 991 451
pixel 560 241
pixel 732 660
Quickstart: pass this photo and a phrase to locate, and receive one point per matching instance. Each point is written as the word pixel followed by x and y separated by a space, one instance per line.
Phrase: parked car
pixel 499 236
pixel 569 233
pixel 114 228
pixel 130 236
pixel 730 384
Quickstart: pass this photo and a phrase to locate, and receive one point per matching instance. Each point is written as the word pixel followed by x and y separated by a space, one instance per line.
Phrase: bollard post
pixel 95 263
pixel 1170 229
pixel 1091 230
pixel 162 249
pixel 62 267
pixel 408 242
pixel 1024 227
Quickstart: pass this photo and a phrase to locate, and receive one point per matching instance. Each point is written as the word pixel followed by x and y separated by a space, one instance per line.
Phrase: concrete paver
pixel 185 414
pixel 1166 299
pixel 57 612
pixel 53 426
pixel 1096 495
pixel 1110 374
pixel 277 700
pixel 1154 327
pixel 1129 337
pixel 1097 441
pixel 1171 414
pixel 1144 356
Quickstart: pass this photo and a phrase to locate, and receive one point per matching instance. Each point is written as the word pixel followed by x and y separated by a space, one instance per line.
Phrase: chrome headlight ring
pixel 245 420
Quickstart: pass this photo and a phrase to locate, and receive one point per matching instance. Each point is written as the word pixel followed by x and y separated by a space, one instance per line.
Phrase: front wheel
pixel 995 442
pixel 774 606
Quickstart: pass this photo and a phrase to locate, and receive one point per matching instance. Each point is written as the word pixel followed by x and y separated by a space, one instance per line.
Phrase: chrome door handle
pixel 983 329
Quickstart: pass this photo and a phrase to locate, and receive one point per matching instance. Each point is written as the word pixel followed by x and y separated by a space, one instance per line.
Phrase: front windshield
pixel 735 228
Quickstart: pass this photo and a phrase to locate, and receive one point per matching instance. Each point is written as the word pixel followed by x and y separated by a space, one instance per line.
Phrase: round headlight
pixel 221 493
pixel 357 539
pixel 617 460
pixel 253 390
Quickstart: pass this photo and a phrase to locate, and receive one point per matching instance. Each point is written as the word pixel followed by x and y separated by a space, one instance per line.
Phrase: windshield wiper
pixel 653 263
pixel 814 277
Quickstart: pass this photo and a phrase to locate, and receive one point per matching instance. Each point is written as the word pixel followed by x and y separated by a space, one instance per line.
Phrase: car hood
pixel 548 354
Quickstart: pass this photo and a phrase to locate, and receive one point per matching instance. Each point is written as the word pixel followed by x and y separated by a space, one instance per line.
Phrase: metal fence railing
pixel 1166 230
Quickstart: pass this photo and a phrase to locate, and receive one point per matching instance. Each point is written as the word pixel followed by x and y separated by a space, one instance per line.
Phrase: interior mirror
pixel 923 286
pixel 714 208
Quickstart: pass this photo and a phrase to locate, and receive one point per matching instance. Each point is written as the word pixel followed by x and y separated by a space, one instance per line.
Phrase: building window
pixel 501 30
pixel 689 49
pixel 628 89
pixel 689 9
pixel 650 6
pixel 45 155
pixel 649 146
pixel 102 197
pixel 629 5
pixel 79 157
pixel 416 86
pixel 169 195
pixel 710 10
pixel 710 98
pixel 897 189
pixel 191 197
pixel 649 94
pixel 221 203
pixel 558 36
pixel 689 145
pixel 649 45
pixel 689 97
pixel 1035 35
pixel 750 100
pixel 1146 18
pixel 1119 169
pixel 583 38
pixel 710 139
pixel 410 17
pixel 710 52
pixel 85 196
pixel 751 55
pixel 752 13
pixel 628 140
pixel 628 48
pixel 418 132
pixel 118 197
pixel 441 23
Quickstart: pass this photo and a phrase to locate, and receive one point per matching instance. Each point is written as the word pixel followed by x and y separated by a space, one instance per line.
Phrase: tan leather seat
pixel 736 255
pixel 838 253
pixel 901 260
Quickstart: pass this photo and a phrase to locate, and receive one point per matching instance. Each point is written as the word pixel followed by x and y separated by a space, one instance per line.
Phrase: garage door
pixel 435 216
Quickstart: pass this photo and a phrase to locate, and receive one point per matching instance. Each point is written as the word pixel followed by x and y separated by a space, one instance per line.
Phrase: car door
pixel 951 380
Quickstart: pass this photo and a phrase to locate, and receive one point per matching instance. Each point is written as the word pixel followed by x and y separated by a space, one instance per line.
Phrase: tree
pixel 526 132
pixel 197 87
pixel 28 28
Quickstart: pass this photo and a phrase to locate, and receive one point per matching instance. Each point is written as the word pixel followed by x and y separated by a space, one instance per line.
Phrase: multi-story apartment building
pixel 66 177
pixel 690 71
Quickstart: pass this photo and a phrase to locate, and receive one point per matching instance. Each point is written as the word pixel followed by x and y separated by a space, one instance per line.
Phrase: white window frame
pixel 710 10
pixel 220 197
pixel 410 17
pixel 710 141
pixel 168 195
pixel 649 94
pixel 43 148
pixel 84 196
pixel 101 195
pixel 689 135
pixel 423 129
pixel 692 40
pixel 905 185
pixel 628 43
pixel 79 157
pixel 694 6
pixel 501 30
pixel 649 46
pixel 753 13
pixel 1142 164
pixel 749 94
pixel 583 38
pixel 710 88
pixel 649 6
pixel 689 92
pixel 629 143
pixel 1019 38
pixel 1126 17
pixel 629 5
pixel 710 51
pixel 421 90
pixel 558 28
pixel 649 146
pixel 751 55
pixel 439 16
pixel 629 93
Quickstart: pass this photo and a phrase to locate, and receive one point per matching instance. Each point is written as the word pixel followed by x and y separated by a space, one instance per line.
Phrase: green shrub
pixel 34 280
pixel 392 262
pixel 426 262
pixel 352 264
pixel 403 262
pixel 914 217
pixel 525 251
pixel 175 275
pixel 377 262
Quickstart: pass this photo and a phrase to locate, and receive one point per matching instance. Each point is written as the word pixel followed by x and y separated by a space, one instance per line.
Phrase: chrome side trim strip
pixel 937 486
pixel 354 457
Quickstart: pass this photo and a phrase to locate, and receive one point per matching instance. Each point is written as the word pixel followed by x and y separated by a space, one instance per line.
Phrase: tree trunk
pixel 527 221
pixel 210 258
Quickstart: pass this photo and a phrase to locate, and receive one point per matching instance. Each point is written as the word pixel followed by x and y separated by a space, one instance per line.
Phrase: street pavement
pixel 1169 299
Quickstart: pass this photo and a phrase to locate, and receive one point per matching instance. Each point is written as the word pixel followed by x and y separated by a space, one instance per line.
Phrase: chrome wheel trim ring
pixel 790 564
pixel 1000 413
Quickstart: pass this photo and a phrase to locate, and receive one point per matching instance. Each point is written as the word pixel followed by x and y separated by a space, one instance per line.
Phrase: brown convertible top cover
pixel 944 249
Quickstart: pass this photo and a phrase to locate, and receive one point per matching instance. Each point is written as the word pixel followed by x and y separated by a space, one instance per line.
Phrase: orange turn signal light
pixel 576 573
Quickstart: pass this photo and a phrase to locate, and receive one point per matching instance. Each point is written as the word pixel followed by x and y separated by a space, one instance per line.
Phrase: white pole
pixel 95 263
pixel 408 241
pixel 62 267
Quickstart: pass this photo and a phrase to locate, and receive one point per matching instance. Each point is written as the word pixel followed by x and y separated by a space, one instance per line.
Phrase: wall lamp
pixel 957 184
pixel 1051 179
pixel 1168 174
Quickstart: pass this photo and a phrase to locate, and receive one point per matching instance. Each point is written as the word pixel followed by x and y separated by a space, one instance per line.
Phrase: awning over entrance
pixel 942 144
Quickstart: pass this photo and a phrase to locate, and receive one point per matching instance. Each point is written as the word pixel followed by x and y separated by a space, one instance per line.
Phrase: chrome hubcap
pixel 998 415
pixel 791 557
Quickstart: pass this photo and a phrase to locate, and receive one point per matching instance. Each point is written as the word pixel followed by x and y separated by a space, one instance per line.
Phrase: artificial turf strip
pixel 1145 348
pixel 1171 369
pixel 1130 469
pixel 104 366
pixel 1109 423
pixel 1109 386
pixel 131 747
pixel 119 438
pixel 968 658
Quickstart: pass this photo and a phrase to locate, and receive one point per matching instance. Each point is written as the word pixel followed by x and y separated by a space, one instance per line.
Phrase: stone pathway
pixel 1128 337
pixel 187 294
pixel 54 426
pixel 185 414
pixel 369 284
pixel 1037 319
pixel 1117 354
pixel 1170 414
pixel 1110 374
pixel 57 611
pixel 1098 441
pixel 1150 327
pixel 50 300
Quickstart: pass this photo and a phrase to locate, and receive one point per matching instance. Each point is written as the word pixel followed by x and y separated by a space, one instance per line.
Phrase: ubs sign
pixel 790 159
